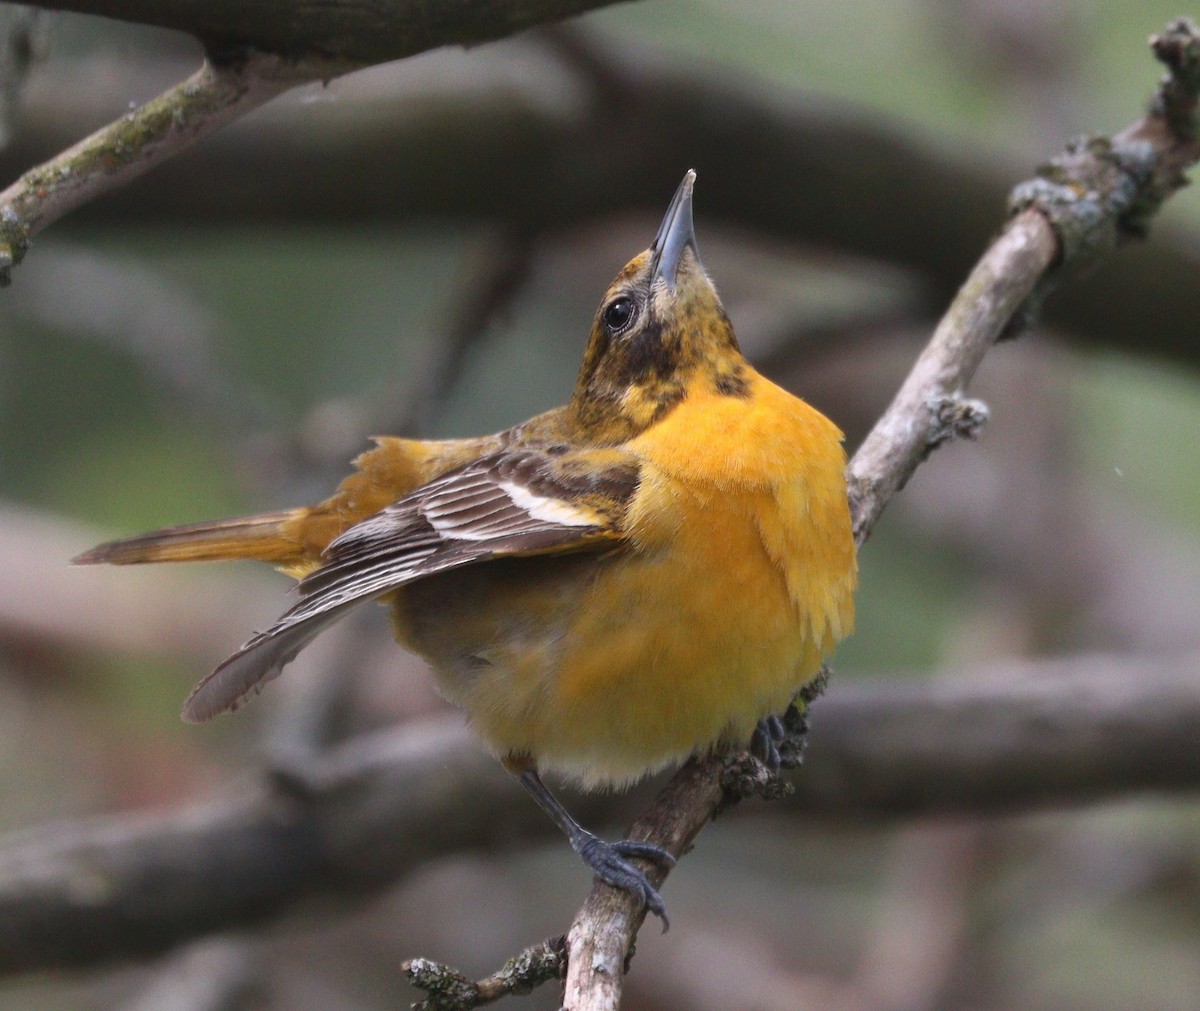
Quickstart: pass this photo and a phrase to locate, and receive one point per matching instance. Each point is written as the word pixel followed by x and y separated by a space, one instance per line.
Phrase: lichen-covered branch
pixel 139 140
pixel 1087 199
pixel 450 990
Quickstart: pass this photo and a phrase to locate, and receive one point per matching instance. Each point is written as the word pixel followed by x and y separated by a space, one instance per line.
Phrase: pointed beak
pixel 674 234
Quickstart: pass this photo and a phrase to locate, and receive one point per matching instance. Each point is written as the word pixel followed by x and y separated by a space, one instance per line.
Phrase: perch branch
pixel 930 407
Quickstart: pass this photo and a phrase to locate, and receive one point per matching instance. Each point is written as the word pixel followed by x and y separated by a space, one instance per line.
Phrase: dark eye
pixel 619 314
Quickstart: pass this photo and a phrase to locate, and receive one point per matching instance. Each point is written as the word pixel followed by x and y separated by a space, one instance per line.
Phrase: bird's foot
pixel 765 742
pixel 610 862
pixel 778 742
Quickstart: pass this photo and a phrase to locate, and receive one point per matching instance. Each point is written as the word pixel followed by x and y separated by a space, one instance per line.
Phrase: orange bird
pixel 651 571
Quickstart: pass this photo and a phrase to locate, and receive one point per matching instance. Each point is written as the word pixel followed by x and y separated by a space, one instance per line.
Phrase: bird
pixel 649 572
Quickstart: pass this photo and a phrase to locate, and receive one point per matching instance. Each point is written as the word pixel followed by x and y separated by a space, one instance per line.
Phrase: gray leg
pixel 608 861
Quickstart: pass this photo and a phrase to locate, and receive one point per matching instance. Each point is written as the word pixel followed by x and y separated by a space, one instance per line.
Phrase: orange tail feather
pixel 259 537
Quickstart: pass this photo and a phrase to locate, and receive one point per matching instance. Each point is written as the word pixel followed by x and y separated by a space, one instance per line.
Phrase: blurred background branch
pixel 539 141
pixel 361 816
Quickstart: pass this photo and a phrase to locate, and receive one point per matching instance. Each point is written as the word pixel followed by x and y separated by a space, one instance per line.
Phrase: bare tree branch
pixel 350 31
pixel 449 990
pixel 930 407
pixel 121 887
pixel 1075 212
pixel 1065 741
pixel 360 817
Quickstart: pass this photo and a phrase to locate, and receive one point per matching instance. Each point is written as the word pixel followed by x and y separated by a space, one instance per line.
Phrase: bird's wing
pixel 520 501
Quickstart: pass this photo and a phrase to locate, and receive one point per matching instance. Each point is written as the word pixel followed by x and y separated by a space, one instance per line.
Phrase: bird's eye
pixel 619 314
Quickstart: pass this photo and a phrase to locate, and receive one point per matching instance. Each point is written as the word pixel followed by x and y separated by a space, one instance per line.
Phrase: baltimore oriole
pixel 650 571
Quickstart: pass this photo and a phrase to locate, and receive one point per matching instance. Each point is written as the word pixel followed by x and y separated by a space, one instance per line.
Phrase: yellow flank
pixel 607 588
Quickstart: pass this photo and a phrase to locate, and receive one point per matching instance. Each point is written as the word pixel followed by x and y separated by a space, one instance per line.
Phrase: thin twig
pixel 450 990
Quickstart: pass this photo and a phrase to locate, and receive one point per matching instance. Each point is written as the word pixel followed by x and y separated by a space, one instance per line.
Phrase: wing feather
pixel 517 502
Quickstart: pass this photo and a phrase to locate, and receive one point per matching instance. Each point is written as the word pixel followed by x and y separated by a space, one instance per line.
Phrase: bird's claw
pixel 610 863
pixel 636 849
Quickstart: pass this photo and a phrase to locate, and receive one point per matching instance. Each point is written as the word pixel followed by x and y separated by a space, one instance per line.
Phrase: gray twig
pixel 450 990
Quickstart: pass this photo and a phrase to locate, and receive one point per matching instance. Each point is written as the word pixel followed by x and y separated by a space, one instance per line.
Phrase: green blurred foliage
pixel 1138 423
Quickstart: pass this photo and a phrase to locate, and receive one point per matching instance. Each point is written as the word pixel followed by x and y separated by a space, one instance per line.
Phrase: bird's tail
pixel 263 537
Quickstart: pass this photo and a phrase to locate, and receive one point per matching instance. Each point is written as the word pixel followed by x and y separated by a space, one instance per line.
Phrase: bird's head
pixel 660 330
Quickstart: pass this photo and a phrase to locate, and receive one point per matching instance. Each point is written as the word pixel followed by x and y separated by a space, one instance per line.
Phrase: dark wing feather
pixel 519 502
